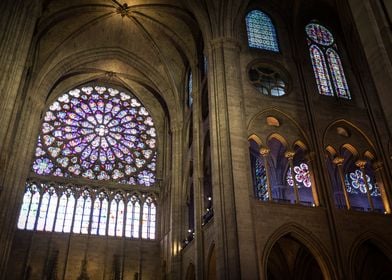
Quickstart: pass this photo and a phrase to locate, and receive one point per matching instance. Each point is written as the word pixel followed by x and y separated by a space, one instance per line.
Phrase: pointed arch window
pixel 133 217
pixel 326 62
pixel 148 219
pixel 261 31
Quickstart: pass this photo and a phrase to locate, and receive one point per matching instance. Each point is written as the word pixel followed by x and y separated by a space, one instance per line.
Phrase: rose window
pixel 302 176
pixel 355 183
pixel 98 133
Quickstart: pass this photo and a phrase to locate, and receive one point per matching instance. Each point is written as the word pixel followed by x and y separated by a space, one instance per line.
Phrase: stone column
pixel 17 26
pixel 338 161
pixel 16 173
pixel 361 164
pixel 290 156
pixel 198 196
pixel 176 197
pixel 264 152
pixel 381 180
pixel 234 240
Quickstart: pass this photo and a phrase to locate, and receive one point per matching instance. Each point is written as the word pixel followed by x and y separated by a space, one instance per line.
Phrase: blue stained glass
pixel 355 184
pixel 337 72
pixel 190 90
pixel 320 71
pixel 261 31
pixel 261 180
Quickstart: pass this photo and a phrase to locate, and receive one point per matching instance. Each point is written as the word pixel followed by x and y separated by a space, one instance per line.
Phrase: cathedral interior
pixel 196 139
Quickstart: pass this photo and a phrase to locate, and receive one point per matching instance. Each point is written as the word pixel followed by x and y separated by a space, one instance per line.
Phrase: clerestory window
pixel 326 62
pixel 261 31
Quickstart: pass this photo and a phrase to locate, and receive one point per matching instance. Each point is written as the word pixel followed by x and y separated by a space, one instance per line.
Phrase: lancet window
pixel 326 62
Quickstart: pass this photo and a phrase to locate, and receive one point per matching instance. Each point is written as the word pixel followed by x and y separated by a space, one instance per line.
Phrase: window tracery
pixel 326 62
pixel 267 81
pixel 96 133
pixel 94 212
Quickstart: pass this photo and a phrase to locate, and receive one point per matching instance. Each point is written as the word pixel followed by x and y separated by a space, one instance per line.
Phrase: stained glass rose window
pixel 97 133
pixel 302 176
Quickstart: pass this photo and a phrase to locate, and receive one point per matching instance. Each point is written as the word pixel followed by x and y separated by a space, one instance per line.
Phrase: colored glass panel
pixel 61 213
pixel 261 31
pixel 98 133
pixel 33 211
pixel 112 218
pixel 338 77
pixel 103 217
pixel 50 216
pixel 69 212
pixel 261 180
pixel 302 176
pixel 64 213
pixel 319 34
pixel 355 183
pixel 24 211
pixel 320 71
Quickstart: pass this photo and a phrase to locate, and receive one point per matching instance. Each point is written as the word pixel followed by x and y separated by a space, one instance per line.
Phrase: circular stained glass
pixel 319 34
pixel 98 133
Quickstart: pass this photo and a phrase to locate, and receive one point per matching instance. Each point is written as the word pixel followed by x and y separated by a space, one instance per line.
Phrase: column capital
pixel 264 151
pixel 361 163
pixel 289 155
pixel 338 161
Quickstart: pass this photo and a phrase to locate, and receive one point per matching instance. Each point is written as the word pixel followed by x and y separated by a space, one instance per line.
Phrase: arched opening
pixel 278 166
pixel 211 267
pixel 371 263
pixel 354 181
pixel 290 259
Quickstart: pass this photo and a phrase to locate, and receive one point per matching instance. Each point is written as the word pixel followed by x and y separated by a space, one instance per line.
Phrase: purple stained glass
pixel 319 34
pixel 338 77
pixel 261 31
pixel 97 133
pixel 327 66
pixel 320 71
pixel 302 176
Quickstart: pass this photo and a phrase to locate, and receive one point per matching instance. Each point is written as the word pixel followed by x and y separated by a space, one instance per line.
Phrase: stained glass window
pixel 92 212
pixel 65 211
pixel 116 217
pixel 99 217
pixel 133 217
pixel 261 31
pixel 355 183
pixel 98 133
pixel 47 210
pixel 261 180
pixel 190 89
pixel 327 66
pixel 302 176
pixel 148 219
pixel 94 133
